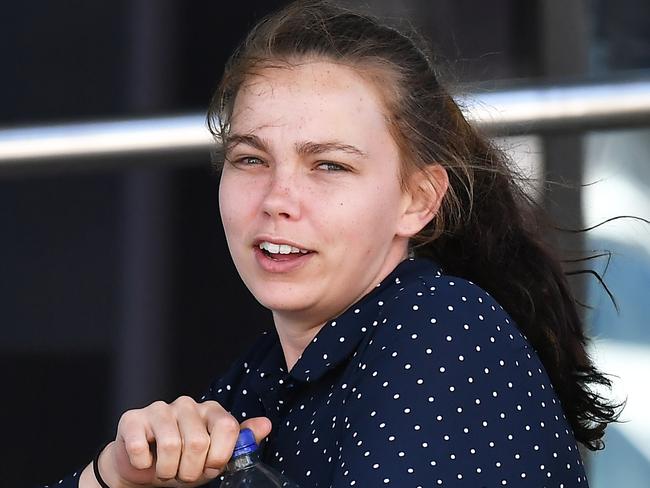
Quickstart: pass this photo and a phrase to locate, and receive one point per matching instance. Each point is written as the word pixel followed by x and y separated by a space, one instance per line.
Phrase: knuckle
pixel 160 412
pixel 198 444
pixel 210 409
pixel 135 447
pixel 212 404
pixel 158 405
pixel 227 423
pixel 168 444
pixel 129 417
pixel 184 401
pixel 209 406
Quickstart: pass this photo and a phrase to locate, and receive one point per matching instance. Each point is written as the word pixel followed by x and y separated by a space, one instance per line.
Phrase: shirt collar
pixel 339 338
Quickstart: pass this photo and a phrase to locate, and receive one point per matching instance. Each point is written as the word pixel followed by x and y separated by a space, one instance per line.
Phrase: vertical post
pixel 141 345
pixel 564 54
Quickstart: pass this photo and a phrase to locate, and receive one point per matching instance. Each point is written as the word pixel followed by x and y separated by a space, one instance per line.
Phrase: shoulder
pixel 432 290
pixel 446 372
pixel 444 309
pixel 448 337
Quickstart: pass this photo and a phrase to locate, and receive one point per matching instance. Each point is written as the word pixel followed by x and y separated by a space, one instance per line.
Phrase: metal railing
pixel 578 107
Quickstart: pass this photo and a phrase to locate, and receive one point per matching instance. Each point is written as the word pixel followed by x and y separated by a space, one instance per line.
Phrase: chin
pixel 281 305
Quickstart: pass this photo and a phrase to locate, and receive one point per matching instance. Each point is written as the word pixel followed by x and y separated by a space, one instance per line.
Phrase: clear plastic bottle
pixel 245 470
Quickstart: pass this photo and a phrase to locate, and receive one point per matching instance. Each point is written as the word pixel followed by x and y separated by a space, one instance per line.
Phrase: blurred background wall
pixel 116 287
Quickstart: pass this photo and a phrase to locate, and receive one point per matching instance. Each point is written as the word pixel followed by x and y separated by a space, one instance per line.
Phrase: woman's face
pixel 310 164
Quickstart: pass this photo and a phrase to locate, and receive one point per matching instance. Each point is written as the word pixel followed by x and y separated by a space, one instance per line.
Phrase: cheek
pixel 231 203
pixel 224 208
pixel 382 203
pixel 367 216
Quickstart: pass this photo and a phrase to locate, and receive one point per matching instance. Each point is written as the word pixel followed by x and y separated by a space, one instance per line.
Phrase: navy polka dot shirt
pixel 424 382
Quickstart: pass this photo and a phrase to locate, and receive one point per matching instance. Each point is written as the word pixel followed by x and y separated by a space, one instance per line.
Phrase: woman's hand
pixel 162 444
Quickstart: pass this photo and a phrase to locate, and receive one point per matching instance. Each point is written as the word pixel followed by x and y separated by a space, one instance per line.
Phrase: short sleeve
pixel 451 394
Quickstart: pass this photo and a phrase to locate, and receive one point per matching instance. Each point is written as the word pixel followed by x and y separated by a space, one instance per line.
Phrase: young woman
pixel 425 334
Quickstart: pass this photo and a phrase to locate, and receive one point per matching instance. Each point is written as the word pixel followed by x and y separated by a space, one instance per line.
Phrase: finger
pixel 261 427
pixel 164 429
pixel 195 439
pixel 223 429
pixel 132 434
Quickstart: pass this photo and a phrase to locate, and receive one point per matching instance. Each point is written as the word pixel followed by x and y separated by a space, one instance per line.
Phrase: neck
pixel 296 330
pixel 294 336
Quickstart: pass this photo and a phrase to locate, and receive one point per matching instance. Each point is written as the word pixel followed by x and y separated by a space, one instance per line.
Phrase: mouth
pixel 280 251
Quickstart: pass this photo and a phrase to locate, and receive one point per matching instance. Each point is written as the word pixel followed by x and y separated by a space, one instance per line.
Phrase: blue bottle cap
pixel 245 443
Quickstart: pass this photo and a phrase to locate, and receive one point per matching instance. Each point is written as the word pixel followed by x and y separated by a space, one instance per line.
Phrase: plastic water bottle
pixel 245 470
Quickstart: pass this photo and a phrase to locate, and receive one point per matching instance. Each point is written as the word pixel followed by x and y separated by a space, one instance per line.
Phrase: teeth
pixel 281 248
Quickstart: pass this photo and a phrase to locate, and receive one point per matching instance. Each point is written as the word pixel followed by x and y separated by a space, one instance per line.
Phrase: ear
pixel 426 189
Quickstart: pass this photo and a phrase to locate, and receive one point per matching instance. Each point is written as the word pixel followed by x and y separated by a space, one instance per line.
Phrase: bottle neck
pixel 243 461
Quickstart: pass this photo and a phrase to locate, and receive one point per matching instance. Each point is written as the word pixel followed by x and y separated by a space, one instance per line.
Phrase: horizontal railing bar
pixel 556 108
pixel 505 112
pixel 116 138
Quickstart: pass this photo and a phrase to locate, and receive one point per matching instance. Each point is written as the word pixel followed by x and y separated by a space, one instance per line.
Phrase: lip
pixel 279 240
pixel 288 262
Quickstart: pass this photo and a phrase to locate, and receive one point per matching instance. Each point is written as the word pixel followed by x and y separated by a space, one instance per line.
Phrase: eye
pixel 330 166
pixel 248 161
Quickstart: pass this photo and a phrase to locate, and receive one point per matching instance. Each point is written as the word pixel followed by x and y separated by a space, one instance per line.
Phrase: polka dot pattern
pixel 425 381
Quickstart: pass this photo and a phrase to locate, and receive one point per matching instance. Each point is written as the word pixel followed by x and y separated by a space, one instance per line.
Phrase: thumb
pixel 261 427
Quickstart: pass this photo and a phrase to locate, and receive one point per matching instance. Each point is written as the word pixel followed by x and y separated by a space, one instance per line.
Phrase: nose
pixel 282 196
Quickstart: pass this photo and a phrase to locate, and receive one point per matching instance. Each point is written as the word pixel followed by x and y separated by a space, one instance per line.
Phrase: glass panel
pixel 526 156
pixel 617 170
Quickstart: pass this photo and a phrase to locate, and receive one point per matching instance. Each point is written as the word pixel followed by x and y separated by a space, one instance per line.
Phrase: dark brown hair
pixel 489 229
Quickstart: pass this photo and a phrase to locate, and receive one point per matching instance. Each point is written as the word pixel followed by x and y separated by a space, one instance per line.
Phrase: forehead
pixel 311 95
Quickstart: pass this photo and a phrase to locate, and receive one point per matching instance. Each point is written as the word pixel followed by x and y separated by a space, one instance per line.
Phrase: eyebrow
pixel 327 146
pixel 247 139
pixel 303 148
